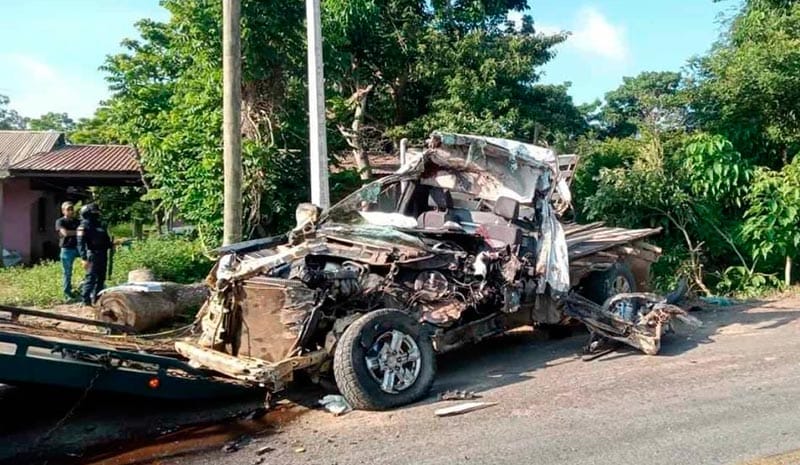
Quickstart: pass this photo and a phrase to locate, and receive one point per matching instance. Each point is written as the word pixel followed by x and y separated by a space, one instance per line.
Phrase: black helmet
pixel 90 211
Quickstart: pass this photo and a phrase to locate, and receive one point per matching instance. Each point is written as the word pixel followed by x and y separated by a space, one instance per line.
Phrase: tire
pixel 600 285
pixel 363 340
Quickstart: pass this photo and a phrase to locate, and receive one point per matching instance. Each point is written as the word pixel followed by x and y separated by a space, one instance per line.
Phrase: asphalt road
pixel 728 393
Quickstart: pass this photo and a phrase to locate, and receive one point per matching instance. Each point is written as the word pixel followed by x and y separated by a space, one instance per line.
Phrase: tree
pixel 51 121
pixel 650 101
pixel 774 213
pixel 482 73
pixel 371 48
pixel 403 68
pixel 394 68
pixel 748 87
pixel 167 102
pixel 9 119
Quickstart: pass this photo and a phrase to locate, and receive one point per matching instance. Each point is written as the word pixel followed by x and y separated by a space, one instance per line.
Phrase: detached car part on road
pixel 462 243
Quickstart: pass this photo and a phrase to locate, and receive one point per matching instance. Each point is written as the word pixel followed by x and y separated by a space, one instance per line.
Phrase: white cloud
pixel 594 34
pixel 591 34
pixel 36 88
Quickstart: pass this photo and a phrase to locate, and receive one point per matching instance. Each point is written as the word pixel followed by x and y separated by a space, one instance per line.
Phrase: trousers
pixel 95 279
pixel 68 256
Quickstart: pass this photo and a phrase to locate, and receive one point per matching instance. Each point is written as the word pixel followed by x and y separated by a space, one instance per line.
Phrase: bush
pixel 170 259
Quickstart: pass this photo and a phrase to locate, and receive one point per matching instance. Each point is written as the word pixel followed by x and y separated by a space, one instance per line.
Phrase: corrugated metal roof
pixel 82 158
pixel 16 146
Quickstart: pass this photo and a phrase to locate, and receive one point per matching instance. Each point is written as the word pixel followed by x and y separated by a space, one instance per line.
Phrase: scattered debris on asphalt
pixel 458 395
pixel 230 447
pixel 335 404
pixel 463 408
pixel 718 301
pixel 264 450
pixel 236 444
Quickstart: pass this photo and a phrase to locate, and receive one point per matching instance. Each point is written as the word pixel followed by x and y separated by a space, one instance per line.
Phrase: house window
pixel 41 214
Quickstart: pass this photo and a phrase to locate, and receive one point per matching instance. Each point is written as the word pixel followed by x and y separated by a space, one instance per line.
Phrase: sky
pixel 50 50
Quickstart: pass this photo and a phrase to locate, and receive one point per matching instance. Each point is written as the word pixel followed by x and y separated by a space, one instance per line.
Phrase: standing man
pixel 93 245
pixel 67 226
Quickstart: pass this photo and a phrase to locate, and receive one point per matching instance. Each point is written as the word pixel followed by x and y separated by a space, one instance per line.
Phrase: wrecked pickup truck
pixel 460 244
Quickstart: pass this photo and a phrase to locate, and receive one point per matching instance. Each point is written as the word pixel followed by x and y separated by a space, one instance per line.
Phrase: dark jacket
pixel 92 239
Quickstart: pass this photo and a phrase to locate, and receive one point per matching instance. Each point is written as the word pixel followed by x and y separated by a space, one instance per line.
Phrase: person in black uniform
pixel 93 245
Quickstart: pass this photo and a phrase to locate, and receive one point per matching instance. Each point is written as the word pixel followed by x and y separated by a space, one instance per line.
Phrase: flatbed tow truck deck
pixel 32 353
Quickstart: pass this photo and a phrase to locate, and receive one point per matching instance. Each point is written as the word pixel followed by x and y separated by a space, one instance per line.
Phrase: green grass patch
pixel 170 259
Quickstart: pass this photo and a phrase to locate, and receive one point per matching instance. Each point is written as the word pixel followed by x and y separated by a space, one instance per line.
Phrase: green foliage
pixel 51 121
pixel 595 156
pixel 170 259
pixel 343 183
pixel 9 119
pixel 716 171
pixel 167 101
pixel 122 204
pixel 650 101
pixel 694 187
pixel 482 75
pixel 773 217
pixel 748 87
pixel 393 68
pixel 745 282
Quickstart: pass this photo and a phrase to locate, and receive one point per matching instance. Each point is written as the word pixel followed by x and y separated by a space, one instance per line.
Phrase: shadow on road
pixel 511 358
pixel 30 414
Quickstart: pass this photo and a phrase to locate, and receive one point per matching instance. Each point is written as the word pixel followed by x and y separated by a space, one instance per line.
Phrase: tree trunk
pixel 146 310
pixel 787 272
pixel 354 135
pixel 138 232
pixel 159 224
pixel 359 153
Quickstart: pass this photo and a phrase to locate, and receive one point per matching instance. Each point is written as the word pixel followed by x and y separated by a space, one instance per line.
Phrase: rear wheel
pixel 384 360
pixel 600 285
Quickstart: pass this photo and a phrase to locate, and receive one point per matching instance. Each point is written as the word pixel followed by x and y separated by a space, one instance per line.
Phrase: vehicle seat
pixel 444 211
pixel 503 230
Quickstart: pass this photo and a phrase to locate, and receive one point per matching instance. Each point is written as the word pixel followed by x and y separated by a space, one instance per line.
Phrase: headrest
pixel 441 198
pixel 507 208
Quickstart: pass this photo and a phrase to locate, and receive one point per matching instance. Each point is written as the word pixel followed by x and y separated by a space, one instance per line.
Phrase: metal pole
pixel 320 195
pixel 231 121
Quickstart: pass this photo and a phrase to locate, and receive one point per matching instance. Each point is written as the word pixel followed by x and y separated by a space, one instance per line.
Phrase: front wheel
pixel 384 360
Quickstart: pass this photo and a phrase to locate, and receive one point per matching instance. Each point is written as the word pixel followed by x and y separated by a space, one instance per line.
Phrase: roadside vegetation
pixel 169 258
pixel 708 152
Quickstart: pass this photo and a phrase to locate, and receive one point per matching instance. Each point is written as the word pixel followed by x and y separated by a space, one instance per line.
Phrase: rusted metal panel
pixel 17 146
pixel 82 158
pixel 273 312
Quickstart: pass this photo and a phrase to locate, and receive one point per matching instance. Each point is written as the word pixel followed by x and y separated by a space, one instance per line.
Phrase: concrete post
pixel 318 143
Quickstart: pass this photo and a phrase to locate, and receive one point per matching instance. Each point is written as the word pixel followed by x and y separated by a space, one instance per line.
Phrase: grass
pixel 170 259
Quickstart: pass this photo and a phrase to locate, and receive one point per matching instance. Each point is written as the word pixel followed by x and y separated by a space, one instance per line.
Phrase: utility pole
pixel 318 143
pixel 231 121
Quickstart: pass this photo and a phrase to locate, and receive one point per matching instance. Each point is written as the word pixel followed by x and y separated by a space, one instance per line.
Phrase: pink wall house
pixel 38 171
pixel 28 220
